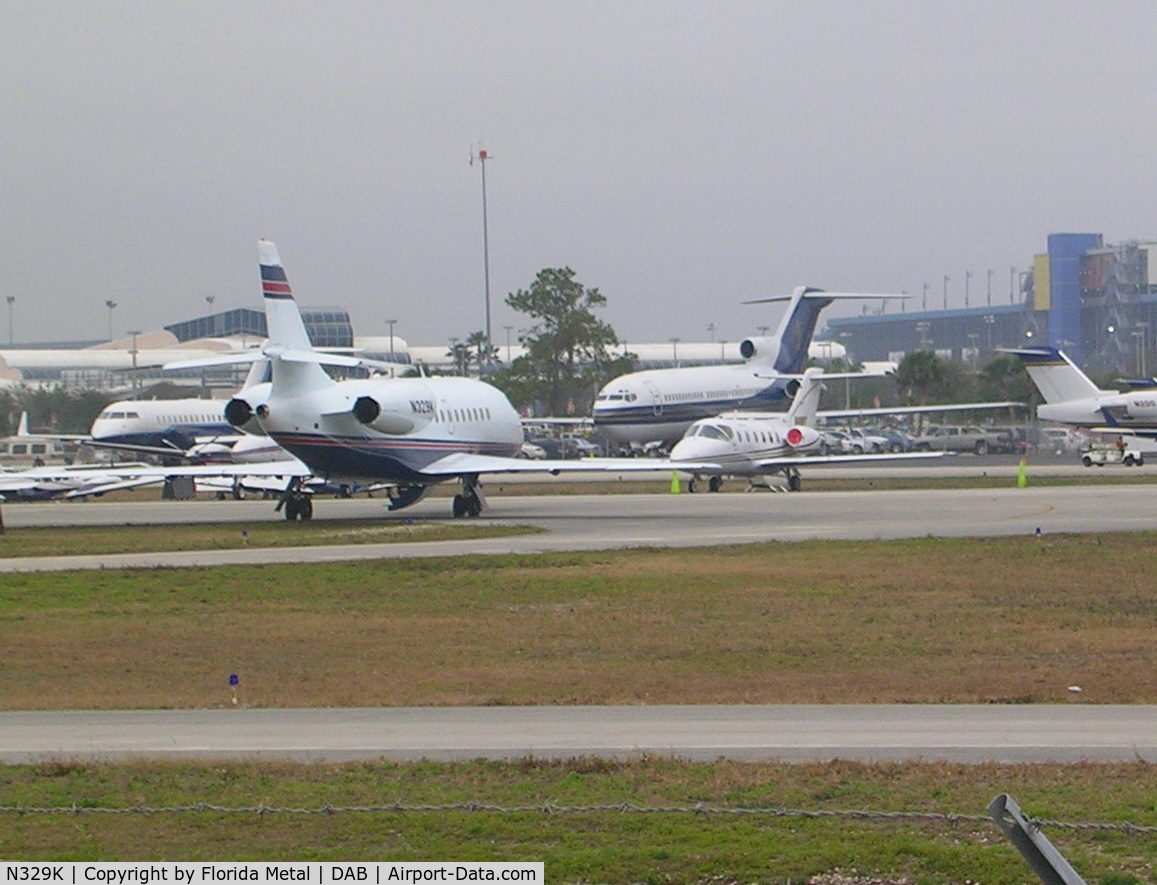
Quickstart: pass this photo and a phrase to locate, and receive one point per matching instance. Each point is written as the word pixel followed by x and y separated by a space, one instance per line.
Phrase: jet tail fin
pixel 1055 375
pixel 806 402
pixel 798 325
pixel 295 367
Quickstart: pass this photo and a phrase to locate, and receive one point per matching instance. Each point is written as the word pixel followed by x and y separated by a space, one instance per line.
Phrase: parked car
pixel 898 440
pixel 834 442
pixel 532 451
pixel 1060 440
pixel 863 442
pixel 962 439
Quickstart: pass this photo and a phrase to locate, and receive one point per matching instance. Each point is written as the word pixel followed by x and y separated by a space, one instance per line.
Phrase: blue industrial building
pixel 1098 303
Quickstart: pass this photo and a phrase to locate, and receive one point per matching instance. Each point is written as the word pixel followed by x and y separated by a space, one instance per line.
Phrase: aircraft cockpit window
pixel 712 431
pixel 132 416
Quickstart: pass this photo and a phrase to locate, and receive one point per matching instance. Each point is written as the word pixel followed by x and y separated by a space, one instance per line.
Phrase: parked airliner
pixel 660 404
pixel 189 427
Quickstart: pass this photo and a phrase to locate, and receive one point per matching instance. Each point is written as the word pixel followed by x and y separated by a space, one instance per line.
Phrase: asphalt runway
pixel 582 522
pixel 968 734
pixel 593 522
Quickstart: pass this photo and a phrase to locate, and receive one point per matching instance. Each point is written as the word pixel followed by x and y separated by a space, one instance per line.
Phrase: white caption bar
pixel 384 873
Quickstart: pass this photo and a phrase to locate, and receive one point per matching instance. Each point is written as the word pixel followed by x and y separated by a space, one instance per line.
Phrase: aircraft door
pixel 656 398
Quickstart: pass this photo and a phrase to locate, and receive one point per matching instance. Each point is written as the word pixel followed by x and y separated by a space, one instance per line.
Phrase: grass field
pixel 644 820
pixel 17 542
pixel 1013 620
pixel 1009 620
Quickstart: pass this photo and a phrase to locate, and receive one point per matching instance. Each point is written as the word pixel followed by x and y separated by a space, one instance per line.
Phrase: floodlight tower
pixel 482 156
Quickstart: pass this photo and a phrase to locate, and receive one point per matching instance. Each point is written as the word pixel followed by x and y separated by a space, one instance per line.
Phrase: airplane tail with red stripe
pixel 296 366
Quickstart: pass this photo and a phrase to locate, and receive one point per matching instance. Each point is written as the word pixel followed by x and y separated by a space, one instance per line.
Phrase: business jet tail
pixel 296 367
pixel 806 402
pixel 1056 376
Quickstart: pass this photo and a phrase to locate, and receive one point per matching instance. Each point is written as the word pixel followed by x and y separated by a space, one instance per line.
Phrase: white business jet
pixel 1071 397
pixel 757 446
pixel 660 404
pixel 408 433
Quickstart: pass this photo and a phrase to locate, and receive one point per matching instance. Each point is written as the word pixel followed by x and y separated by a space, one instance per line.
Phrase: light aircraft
pixel 71 481
pixel 1071 397
pixel 410 433
pixel 757 445
pixel 660 404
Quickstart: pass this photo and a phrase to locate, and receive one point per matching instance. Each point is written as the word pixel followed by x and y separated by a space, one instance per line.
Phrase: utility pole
pixel 482 156
pixel 111 305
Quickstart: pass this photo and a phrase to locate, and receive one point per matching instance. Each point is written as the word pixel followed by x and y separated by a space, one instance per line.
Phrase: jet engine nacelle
pixel 395 407
pixel 764 348
pixel 800 437
pixel 243 410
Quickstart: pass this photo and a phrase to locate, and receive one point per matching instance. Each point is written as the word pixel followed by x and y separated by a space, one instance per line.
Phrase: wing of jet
pixel 918 410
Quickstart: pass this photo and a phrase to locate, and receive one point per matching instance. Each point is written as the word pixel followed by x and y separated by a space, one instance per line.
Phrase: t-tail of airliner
pixel 787 351
pixel 1056 376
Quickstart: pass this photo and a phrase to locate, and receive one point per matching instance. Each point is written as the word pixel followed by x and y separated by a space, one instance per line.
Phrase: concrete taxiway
pixel 593 522
pixel 970 734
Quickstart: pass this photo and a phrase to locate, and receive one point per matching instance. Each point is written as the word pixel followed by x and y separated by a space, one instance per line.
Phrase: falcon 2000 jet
pixel 407 433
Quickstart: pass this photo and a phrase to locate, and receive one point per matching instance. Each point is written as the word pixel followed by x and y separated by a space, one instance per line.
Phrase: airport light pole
pixel 111 305
pixel 11 299
pixel 390 323
pixel 482 156
pixel 136 380
pixel 1143 334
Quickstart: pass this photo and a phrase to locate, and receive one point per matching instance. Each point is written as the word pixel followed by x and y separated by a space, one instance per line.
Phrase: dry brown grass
pixel 931 620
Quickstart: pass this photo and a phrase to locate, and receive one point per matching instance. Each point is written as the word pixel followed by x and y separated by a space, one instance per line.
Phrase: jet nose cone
pixel 691 450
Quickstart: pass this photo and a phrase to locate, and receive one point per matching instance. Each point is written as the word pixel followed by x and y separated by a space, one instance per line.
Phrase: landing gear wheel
pixel 693 485
pixel 459 507
pixel 291 508
pixel 715 483
pixel 793 481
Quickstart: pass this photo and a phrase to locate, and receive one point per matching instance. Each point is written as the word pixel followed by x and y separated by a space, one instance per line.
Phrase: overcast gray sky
pixel 680 156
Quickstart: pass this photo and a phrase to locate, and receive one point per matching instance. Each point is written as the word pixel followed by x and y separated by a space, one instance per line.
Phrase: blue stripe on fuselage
pixel 399 460
pixel 692 411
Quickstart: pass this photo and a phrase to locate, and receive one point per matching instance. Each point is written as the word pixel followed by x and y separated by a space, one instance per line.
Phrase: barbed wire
pixel 551 808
